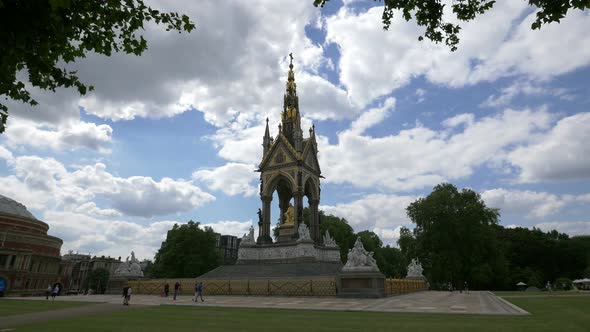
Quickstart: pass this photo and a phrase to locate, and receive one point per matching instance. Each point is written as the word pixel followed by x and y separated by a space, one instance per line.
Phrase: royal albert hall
pixel 29 258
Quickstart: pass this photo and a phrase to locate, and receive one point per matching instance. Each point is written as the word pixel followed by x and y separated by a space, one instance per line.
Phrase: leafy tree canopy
pixel 538 256
pixel 340 230
pixel 456 239
pixel 41 36
pixel 407 244
pixel 188 251
pixel 98 279
pixel 429 14
pixel 391 262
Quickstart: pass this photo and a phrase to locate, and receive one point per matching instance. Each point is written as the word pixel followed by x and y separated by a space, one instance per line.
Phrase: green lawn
pixel 16 307
pixel 535 293
pixel 548 314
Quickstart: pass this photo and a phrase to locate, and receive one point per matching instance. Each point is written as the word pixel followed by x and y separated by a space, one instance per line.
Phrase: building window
pixel 3 260
pixel 12 260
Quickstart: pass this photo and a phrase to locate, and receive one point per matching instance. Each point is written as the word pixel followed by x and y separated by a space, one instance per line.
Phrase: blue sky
pixel 176 134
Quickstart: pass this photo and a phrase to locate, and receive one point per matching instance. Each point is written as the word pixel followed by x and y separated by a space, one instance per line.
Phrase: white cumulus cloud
pixel 562 154
pixel 231 178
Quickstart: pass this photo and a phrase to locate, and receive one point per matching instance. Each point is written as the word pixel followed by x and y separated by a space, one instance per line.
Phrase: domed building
pixel 29 258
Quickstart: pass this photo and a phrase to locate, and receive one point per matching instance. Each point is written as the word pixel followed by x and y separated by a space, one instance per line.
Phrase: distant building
pixel 228 245
pixel 81 266
pixel 29 258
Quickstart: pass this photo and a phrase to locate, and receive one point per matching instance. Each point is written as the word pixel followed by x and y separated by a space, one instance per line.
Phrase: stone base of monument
pixel 286 233
pixel 298 259
pixel 360 284
pixel 287 252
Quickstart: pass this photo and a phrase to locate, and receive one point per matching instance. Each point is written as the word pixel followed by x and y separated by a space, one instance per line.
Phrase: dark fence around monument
pixel 266 287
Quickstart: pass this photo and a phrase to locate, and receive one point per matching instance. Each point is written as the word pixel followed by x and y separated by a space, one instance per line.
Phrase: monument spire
pixel 291 117
pixel 266 140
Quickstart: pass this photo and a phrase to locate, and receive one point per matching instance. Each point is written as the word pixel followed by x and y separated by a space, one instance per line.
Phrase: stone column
pixel 298 211
pixel 264 231
pixel 315 221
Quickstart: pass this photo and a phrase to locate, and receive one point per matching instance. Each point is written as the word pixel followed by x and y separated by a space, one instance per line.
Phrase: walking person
pixel 48 292
pixel 128 296
pixel 54 292
pixel 176 289
pixel 125 294
pixel 199 292
pixel 166 290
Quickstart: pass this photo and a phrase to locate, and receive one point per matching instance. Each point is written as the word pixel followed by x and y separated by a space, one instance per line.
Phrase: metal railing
pixel 281 287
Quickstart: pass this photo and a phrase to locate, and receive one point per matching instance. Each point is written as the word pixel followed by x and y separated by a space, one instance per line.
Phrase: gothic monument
pixel 290 168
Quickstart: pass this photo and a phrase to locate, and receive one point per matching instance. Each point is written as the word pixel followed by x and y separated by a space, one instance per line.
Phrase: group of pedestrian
pixel 52 290
pixel 465 288
pixel 198 292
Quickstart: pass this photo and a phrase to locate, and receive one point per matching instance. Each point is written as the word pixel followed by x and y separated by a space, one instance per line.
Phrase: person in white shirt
pixel 55 292
pixel 48 292
pixel 128 296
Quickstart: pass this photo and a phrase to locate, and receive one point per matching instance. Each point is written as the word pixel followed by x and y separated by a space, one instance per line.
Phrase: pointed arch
pixel 275 181
pixel 310 188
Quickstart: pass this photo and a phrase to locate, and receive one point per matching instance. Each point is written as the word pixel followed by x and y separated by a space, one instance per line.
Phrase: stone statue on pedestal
pixel 248 238
pixel 360 277
pixel 415 270
pixel 360 259
pixel 329 240
pixel 129 268
pixel 304 232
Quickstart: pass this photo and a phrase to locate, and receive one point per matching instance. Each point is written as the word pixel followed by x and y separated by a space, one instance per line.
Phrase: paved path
pixel 484 303
pixel 9 322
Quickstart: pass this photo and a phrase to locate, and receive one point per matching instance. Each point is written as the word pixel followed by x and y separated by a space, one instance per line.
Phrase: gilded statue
pixel 289 215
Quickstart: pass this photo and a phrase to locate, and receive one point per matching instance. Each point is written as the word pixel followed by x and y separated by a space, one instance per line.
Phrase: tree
pixel 407 245
pixel 340 230
pixel 98 280
pixel 429 14
pixel 455 238
pixel 188 252
pixel 543 256
pixel 147 266
pixel 39 36
pixel 563 283
pixel 391 262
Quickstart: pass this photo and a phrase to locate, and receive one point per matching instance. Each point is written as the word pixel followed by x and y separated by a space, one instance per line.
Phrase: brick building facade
pixel 29 258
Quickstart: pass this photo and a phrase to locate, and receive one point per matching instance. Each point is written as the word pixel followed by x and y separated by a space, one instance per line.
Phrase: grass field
pixel 16 307
pixel 548 314
pixel 536 293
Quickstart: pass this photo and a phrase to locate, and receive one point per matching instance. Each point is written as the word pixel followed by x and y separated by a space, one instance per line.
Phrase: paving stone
pixel 482 302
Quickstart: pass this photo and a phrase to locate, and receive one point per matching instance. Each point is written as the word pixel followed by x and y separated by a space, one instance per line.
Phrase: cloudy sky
pixel 176 134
